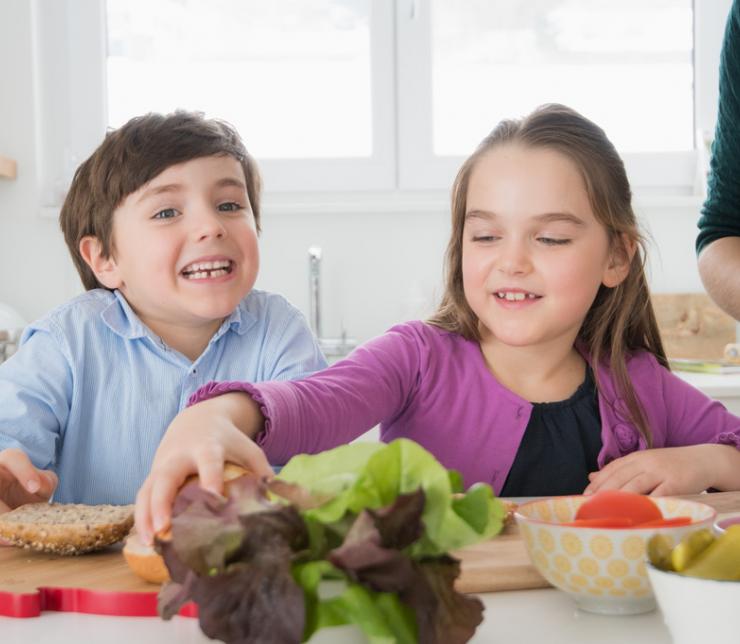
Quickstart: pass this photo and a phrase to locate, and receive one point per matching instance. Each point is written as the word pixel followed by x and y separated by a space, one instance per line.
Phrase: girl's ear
pixel 619 263
pixel 105 268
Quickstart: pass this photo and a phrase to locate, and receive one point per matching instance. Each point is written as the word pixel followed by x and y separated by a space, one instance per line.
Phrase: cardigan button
pixel 626 438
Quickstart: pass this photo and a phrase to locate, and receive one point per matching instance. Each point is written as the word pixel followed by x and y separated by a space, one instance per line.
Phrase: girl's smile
pixel 515 298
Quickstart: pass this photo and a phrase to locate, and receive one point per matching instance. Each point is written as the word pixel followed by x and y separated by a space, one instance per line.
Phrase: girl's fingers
pixel 211 470
pixel 643 483
pixel 663 489
pixel 142 513
pixel 252 457
pixel 163 491
pixel 613 478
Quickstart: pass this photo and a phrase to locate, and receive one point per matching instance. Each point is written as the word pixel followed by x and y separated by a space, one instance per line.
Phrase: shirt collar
pixel 123 321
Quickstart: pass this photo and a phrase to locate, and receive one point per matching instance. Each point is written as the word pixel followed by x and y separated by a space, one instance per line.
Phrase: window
pixel 380 95
pixel 606 59
pixel 293 77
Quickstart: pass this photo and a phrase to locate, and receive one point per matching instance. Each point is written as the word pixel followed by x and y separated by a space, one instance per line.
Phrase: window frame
pixel 71 110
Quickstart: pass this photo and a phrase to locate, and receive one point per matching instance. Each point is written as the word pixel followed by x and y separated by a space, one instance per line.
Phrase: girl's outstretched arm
pixel 671 470
pixel 200 439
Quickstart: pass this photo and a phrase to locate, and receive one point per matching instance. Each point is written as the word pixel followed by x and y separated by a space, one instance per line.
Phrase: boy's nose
pixel 208 223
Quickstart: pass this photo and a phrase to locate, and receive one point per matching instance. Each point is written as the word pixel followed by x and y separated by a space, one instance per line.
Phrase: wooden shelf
pixel 8 168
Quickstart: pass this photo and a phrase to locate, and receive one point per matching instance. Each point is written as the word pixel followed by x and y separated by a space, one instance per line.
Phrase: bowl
pixel 695 609
pixel 725 523
pixel 602 569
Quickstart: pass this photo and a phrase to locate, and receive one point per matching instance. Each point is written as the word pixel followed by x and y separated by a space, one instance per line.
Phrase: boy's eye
pixel 229 206
pixel 551 241
pixel 167 213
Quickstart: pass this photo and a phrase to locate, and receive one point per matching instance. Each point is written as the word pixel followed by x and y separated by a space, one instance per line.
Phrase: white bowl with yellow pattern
pixel 603 569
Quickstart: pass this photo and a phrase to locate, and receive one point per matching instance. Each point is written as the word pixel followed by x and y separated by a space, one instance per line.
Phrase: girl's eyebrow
pixel 547 217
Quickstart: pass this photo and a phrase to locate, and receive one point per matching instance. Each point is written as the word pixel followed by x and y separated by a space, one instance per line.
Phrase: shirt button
pixel 626 438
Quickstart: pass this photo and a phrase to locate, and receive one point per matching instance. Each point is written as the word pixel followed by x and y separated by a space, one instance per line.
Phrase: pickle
pixel 659 551
pixel 690 547
pixel 721 560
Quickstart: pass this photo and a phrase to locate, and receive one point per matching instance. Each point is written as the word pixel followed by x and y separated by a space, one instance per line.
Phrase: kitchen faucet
pixel 332 347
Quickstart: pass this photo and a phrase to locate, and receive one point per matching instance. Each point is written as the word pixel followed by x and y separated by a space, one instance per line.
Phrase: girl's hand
pixel 21 482
pixel 199 440
pixel 667 471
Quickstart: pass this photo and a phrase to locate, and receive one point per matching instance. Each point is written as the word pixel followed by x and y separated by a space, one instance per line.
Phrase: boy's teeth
pixel 206 266
pixel 201 270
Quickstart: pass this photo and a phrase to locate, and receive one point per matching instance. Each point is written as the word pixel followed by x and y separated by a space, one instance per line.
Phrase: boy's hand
pixel 21 482
pixel 665 471
pixel 198 441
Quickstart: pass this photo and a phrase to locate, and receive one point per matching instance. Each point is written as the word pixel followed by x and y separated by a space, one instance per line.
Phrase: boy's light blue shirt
pixel 91 389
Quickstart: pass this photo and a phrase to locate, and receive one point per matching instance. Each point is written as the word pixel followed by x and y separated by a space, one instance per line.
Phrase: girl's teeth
pixel 515 297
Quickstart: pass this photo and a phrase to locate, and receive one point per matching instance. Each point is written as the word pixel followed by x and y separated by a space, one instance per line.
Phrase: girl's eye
pixel 550 241
pixel 229 206
pixel 484 238
pixel 167 213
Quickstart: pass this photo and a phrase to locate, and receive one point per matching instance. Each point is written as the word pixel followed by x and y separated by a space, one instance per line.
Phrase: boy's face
pixel 185 245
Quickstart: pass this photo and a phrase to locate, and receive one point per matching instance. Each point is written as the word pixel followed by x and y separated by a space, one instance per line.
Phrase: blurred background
pixel 359 113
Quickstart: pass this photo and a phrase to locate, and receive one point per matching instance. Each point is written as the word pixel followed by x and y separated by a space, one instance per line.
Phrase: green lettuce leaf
pixel 373 475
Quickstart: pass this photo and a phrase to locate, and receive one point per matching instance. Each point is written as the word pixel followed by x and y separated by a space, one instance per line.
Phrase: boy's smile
pixel 184 250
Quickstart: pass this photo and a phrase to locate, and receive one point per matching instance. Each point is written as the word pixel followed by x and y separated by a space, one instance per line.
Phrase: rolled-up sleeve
pixel 35 397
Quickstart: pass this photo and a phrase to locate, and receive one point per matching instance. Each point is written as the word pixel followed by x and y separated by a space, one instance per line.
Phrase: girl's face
pixel 533 253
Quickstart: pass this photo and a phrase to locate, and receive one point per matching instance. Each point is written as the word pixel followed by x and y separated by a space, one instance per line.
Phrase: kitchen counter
pixel 518 616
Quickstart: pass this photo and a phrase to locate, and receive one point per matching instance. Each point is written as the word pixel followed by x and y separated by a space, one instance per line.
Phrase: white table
pixel 546 616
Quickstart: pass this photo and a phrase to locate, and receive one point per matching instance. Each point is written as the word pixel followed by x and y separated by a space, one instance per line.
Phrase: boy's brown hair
pixel 621 319
pixel 130 157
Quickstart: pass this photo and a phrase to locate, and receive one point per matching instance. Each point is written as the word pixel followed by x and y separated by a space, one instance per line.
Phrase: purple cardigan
pixel 433 386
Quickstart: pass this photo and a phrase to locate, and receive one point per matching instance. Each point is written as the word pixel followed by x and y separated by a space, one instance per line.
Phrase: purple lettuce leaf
pixel 369 556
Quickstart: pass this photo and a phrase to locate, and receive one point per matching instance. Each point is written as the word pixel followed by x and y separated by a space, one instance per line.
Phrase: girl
pixel 541 373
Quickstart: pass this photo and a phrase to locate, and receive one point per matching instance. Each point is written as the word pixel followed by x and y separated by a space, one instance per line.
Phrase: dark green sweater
pixel 720 215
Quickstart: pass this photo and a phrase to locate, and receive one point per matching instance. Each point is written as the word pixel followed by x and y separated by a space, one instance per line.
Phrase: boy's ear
pixel 105 268
pixel 621 260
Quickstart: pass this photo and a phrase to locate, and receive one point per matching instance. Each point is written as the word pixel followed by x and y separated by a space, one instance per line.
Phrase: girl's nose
pixel 514 258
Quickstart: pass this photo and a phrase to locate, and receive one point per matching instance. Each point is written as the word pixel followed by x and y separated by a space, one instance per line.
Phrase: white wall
pixel 379 267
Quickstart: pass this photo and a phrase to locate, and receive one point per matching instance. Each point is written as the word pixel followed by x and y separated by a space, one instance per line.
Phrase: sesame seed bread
pixel 66 528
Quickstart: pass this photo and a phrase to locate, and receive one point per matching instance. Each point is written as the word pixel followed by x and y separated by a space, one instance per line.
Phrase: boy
pixel 162 223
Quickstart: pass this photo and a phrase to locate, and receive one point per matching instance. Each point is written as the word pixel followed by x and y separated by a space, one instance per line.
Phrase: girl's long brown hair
pixel 621 319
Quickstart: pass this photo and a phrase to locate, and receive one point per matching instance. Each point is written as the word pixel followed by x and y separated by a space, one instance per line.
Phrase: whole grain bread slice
pixel 66 528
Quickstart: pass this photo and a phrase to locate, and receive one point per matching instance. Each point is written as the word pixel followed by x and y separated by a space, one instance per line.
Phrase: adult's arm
pixel 718 242
pixel 719 267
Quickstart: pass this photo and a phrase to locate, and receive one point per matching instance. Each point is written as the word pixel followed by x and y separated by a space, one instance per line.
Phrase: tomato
pixel 666 523
pixel 606 522
pixel 609 504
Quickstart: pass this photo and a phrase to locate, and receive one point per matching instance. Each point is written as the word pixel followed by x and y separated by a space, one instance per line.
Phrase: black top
pixel 560 446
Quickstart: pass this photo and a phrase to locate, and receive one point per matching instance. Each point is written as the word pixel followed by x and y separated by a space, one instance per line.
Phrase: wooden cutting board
pixel 101 583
